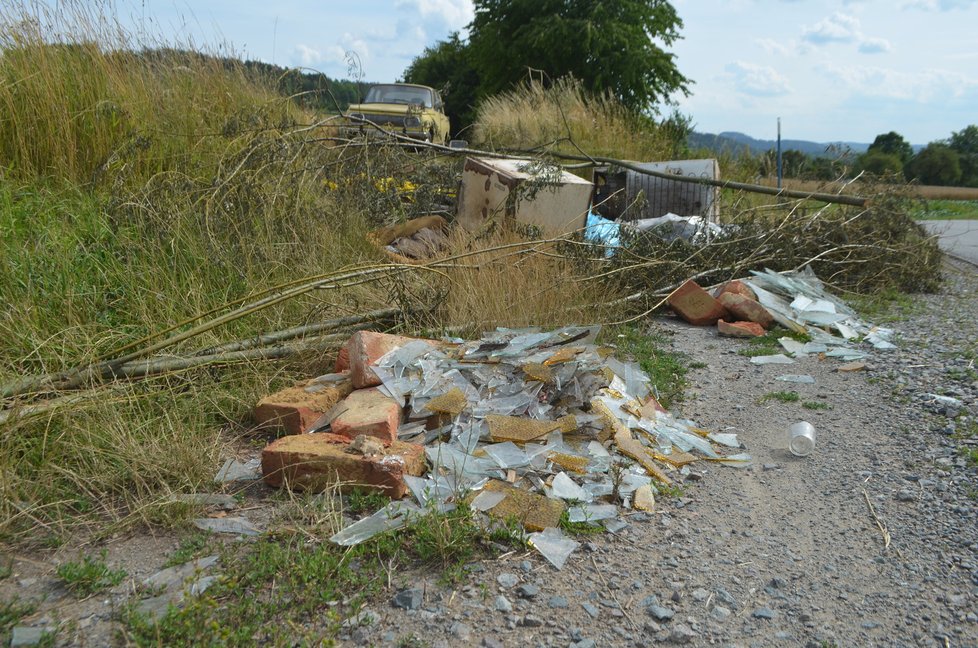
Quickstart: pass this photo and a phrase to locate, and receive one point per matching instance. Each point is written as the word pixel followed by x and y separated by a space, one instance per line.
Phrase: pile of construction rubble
pixel 521 424
pixel 540 427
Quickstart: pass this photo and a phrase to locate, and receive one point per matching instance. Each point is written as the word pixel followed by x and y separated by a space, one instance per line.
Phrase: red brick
pixel 736 287
pixel 746 309
pixel 364 348
pixel 296 410
pixel 695 305
pixel 342 359
pixel 367 411
pixel 316 462
pixel 740 329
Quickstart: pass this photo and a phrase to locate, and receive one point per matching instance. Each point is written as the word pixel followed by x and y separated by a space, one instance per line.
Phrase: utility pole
pixel 779 153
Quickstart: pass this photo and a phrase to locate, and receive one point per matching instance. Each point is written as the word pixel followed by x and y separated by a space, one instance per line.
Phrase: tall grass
pixel 569 119
pixel 140 187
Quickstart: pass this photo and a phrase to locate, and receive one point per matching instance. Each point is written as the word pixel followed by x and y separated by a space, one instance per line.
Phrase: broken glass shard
pixel 507 455
pixel 232 525
pixel 392 516
pixel 796 378
pixel 591 512
pixel 778 358
pixel 725 438
pixel 614 525
pixel 486 500
pixel 234 470
pixel 553 545
pixel 567 489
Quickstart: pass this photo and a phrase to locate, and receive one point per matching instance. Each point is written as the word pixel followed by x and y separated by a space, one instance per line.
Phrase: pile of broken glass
pixel 799 302
pixel 548 420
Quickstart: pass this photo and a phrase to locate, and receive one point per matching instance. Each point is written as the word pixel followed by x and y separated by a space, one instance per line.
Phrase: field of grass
pixel 947 210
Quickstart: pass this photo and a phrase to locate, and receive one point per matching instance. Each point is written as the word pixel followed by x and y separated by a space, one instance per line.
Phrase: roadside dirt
pixel 789 551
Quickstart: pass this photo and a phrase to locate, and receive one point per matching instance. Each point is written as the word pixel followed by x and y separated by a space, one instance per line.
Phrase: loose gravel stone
pixel 507 580
pixel 660 613
pixel 409 599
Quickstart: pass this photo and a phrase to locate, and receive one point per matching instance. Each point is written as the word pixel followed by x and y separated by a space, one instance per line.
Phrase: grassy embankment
pixel 138 193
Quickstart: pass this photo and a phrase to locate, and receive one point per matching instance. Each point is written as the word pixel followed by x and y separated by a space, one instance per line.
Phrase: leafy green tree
pixel 447 67
pixel 938 164
pixel 965 144
pixel 880 163
pixel 608 46
pixel 892 143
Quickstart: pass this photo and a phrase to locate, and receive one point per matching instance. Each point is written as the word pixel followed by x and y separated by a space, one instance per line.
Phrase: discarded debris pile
pixel 797 301
pixel 521 424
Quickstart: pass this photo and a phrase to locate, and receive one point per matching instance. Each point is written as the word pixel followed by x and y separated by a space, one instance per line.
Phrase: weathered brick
pixel 367 411
pixel 342 359
pixel 363 349
pixel 297 408
pixel 736 287
pixel 316 462
pixel 746 309
pixel 740 329
pixel 695 305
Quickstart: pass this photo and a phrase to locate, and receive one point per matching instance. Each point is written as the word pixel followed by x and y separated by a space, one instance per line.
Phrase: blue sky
pixel 831 69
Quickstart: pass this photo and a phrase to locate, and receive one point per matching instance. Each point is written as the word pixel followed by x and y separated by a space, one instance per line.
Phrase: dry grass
pixel 513 282
pixel 564 117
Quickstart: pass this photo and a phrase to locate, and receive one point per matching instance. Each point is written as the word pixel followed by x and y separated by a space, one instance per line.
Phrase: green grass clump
pixel 816 405
pixel 780 396
pixel 666 369
pixel 89 575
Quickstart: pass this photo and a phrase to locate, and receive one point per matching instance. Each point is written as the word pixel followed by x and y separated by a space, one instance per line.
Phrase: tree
pixel 892 143
pixel 965 144
pixel 880 163
pixel 447 67
pixel 608 46
pixel 938 164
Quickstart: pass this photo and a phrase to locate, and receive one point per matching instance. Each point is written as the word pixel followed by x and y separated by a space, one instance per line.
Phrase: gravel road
pixel 788 552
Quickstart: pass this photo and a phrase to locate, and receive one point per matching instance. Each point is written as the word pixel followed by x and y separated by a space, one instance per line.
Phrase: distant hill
pixel 734 143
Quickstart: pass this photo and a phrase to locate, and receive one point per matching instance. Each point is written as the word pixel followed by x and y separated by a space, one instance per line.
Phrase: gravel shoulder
pixel 788 551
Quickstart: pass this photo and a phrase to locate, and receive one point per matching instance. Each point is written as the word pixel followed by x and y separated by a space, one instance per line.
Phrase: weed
pixel 412 641
pixel 666 369
pixel 364 501
pixel 673 490
pixel 191 548
pixel 885 306
pixel 89 576
pixel 768 344
pixel 816 405
pixel 780 396
pixel 970 454
pixel 6 568
pixel 11 612
pixel 583 527
pixel 697 365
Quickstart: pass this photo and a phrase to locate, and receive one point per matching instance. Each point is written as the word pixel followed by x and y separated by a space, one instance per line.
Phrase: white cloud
pixel 837 28
pixel 308 56
pixel 454 14
pixel 771 46
pixel 920 86
pixel 939 5
pixel 757 80
pixel 874 46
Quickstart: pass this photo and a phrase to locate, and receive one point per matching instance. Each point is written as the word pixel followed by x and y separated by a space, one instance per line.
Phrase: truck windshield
pixel 398 94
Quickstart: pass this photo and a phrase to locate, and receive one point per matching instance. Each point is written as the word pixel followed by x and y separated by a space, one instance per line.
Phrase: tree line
pixel 951 162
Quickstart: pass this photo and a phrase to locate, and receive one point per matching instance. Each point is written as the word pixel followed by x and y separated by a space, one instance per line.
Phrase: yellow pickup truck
pixel 403 108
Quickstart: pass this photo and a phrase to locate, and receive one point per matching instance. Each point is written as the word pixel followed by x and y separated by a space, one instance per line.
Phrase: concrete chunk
pixel 695 305
pixel 296 408
pixel 368 412
pixel 316 462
